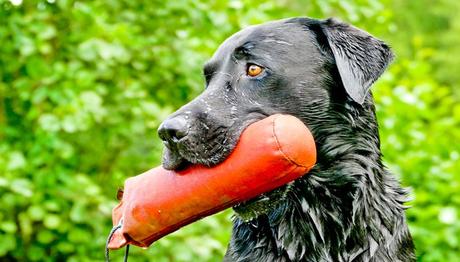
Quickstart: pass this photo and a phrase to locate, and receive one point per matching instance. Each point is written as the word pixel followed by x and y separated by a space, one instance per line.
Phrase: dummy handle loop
pixel 115 228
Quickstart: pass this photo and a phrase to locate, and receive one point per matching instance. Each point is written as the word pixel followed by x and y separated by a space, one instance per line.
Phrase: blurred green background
pixel 84 85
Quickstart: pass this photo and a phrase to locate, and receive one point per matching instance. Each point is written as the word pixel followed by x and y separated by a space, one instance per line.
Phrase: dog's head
pixel 302 67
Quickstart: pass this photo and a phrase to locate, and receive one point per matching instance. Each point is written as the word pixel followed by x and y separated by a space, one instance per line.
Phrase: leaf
pixel 49 122
pixel 16 160
pixel 52 221
pixel 7 243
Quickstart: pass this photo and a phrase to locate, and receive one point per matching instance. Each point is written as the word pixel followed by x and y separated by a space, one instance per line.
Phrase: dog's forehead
pixel 276 34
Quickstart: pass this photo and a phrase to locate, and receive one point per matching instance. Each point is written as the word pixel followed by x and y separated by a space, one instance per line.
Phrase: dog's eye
pixel 254 70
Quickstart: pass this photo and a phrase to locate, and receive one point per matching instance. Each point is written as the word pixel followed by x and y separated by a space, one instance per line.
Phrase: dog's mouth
pixel 206 148
pixel 173 161
pixel 199 149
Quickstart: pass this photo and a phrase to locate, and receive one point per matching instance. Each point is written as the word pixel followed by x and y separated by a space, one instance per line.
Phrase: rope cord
pixel 107 258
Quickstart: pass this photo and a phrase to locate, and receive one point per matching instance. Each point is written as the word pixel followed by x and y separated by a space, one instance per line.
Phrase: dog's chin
pixel 262 204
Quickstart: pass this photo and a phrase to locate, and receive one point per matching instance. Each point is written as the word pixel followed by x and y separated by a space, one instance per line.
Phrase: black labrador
pixel 349 207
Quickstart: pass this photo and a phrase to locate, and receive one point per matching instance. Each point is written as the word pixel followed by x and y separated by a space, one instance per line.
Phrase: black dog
pixel 348 208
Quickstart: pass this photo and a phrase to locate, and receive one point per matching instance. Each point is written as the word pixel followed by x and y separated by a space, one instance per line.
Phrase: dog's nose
pixel 173 129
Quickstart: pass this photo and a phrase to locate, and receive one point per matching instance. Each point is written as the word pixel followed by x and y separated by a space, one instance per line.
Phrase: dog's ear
pixel 360 57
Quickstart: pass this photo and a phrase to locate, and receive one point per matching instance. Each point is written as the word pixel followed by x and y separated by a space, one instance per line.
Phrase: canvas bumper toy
pixel 270 153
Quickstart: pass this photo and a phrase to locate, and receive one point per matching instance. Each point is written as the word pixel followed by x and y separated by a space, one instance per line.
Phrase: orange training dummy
pixel 269 154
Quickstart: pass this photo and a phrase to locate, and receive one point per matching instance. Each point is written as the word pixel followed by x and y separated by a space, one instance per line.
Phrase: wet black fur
pixel 349 207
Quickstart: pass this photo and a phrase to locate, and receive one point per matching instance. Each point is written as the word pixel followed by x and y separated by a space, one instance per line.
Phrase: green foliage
pixel 423 152
pixel 84 85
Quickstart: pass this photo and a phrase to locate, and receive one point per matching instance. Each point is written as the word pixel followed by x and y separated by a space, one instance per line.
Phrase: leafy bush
pixel 84 85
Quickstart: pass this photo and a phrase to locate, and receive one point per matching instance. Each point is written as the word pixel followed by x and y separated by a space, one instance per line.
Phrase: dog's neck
pixel 348 207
